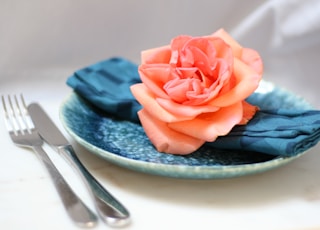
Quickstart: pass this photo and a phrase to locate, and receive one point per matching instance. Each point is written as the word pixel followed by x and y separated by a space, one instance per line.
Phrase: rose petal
pixel 248 112
pixel 249 56
pixel 200 60
pixel 223 50
pixel 186 72
pixel 247 81
pixel 176 45
pixel 185 110
pixel 165 139
pixel 196 91
pixel 235 46
pixel 253 59
pixel 211 125
pixel 155 76
pixel 148 101
pixel 156 55
pixel 201 51
pixel 177 88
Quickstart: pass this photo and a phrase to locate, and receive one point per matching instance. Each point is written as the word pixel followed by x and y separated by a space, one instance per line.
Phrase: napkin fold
pixel 106 85
pixel 285 132
pixel 276 131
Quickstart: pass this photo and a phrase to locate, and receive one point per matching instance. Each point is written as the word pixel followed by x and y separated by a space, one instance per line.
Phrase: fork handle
pixel 75 208
pixel 109 208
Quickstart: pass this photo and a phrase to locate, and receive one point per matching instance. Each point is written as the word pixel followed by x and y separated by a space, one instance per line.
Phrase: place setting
pixel 101 115
pixel 195 109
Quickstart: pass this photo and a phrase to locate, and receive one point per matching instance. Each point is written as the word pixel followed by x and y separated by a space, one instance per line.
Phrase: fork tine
pixel 27 117
pixel 4 105
pixel 5 111
pixel 16 114
pixel 23 113
pixel 23 103
pixel 8 115
pixel 17 119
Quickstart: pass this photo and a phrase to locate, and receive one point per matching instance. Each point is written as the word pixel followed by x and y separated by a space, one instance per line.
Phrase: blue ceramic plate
pixel 124 143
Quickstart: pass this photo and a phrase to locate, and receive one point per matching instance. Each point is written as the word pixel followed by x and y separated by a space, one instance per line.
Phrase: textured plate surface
pixel 124 143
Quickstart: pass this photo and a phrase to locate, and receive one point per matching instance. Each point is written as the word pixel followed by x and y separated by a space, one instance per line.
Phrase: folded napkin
pixel 106 85
pixel 284 131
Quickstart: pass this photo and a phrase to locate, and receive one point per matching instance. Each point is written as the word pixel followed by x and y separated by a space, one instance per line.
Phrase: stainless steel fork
pixel 23 133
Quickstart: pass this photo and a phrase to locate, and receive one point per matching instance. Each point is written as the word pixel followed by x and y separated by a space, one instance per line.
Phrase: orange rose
pixel 193 90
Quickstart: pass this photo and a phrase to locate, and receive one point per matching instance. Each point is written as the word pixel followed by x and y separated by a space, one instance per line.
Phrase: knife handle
pixel 76 209
pixel 109 208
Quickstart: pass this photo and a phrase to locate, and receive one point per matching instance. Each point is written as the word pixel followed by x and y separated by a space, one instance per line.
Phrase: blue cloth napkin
pixel 284 131
pixel 106 85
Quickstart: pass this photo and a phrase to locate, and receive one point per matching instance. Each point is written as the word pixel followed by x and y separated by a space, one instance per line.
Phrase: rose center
pixel 184 90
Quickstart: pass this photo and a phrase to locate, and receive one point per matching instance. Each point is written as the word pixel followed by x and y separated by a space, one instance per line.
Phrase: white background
pixel 44 42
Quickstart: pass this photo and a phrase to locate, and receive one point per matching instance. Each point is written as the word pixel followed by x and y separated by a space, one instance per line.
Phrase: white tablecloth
pixel 43 42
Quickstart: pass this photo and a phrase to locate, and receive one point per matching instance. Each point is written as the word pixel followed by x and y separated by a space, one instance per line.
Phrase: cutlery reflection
pixel 109 208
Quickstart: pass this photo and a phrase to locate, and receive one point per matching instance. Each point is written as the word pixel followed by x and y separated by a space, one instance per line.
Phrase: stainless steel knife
pixel 109 208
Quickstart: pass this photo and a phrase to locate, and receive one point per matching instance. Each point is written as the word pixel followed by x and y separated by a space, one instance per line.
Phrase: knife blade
pixel 108 207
